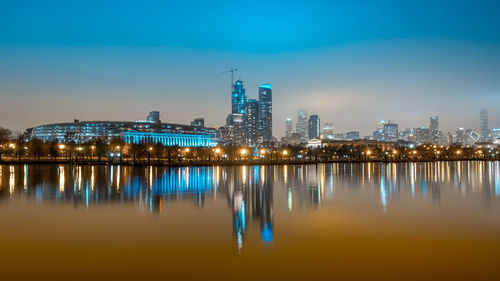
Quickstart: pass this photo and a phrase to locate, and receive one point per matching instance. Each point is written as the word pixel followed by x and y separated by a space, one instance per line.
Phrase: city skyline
pixel 116 65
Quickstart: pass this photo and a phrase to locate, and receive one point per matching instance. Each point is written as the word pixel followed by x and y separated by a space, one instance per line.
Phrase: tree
pixel 54 149
pixel 36 148
pixel 5 135
pixel 100 148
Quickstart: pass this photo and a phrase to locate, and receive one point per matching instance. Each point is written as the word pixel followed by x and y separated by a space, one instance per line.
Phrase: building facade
pixel 302 125
pixel 483 125
pixel 288 127
pixel 434 129
pixel 252 122
pixel 85 131
pixel 238 98
pixel 265 113
pixel 314 127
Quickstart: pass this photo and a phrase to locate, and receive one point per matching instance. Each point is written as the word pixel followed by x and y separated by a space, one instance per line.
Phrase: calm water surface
pixel 432 221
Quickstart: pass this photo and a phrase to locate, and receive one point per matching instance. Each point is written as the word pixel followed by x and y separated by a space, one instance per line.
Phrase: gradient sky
pixel 351 62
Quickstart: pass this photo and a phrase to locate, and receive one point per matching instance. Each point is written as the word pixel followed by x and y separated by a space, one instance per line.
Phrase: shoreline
pixel 165 163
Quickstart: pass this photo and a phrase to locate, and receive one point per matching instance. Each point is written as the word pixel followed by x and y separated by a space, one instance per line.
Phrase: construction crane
pixel 232 70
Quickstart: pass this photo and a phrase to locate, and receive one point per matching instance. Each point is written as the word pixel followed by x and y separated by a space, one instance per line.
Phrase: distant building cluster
pixel 307 130
pixel 250 122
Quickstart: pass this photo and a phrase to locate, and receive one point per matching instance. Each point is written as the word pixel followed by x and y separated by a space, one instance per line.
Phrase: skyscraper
pixel 314 127
pixel 483 124
pixel 154 116
pixel 328 130
pixel 390 131
pixel 266 113
pixel 238 98
pixel 434 129
pixel 252 122
pixel 198 122
pixel 289 127
pixel 302 125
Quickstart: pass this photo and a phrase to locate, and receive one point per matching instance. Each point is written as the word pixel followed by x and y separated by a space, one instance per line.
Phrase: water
pixel 433 221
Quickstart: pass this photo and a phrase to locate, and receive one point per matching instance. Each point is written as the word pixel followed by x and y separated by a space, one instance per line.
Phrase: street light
pixel 243 152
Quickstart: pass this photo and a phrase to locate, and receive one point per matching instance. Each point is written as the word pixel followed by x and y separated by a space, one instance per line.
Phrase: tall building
pixel 154 117
pixel 266 113
pixel 235 130
pixel 252 122
pixel 302 125
pixel 483 124
pixel 434 129
pixel 379 133
pixel 238 98
pixel 288 127
pixel 328 130
pixel 352 135
pixel 198 122
pixel 314 127
pixel 422 135
pixel 390 131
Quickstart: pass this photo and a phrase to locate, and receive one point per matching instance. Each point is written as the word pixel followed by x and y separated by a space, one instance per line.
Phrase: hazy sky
pixel 351 62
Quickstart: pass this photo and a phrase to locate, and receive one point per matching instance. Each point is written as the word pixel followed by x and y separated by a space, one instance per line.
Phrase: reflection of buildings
pixel 252 190
pixel 250 193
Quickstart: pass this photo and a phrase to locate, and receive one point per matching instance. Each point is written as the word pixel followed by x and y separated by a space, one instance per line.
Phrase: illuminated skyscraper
pixel 314 127
pixel 266 113
pixel 328 130
pixel 289 127
pixel 483 124
pixel 252 122
pixel 238 98
pixel 154 117
pixel 390 131
pixel 434 129
pixel 302 125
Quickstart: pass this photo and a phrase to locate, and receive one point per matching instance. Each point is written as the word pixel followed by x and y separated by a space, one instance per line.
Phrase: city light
pixel 243 152
pixel 62 146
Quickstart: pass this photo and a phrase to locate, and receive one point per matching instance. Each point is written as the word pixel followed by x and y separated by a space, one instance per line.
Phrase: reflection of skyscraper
pixel 239 218
pixel 483 123
pixel 289 127
pixel 302 125
pixel 266 113
pixel 238 98
pixel 314 127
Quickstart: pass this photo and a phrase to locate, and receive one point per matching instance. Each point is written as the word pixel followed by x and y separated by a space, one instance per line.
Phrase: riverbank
pixel 164 162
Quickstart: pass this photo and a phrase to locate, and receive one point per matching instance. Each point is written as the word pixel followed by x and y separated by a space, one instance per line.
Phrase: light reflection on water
pixel 251 191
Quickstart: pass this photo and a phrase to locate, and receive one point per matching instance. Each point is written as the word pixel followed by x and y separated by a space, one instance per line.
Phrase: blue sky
pixel 352 62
